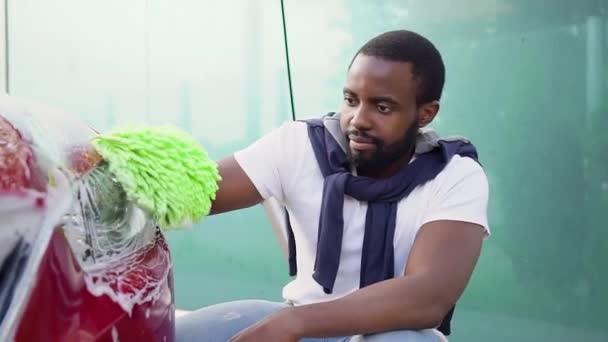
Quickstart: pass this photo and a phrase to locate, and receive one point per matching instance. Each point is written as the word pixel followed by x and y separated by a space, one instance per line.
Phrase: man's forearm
pixel 403 303
pixel 236 191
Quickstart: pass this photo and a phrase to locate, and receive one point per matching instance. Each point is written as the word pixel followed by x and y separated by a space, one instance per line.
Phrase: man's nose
pixel 361 118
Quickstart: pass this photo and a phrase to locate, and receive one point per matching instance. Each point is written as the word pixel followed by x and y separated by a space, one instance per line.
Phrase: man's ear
pixel 427 112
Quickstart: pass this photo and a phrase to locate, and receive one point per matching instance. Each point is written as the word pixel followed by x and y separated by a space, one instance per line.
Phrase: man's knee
pixel 428 335
pixel 222 321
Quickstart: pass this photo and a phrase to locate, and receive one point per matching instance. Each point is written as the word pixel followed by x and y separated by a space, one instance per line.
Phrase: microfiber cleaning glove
pixel 164 170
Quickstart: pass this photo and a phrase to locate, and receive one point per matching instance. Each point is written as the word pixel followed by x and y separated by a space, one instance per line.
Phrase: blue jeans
pixel 218 323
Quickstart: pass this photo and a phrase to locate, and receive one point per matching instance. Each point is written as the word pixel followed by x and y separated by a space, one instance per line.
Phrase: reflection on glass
pixel 216 70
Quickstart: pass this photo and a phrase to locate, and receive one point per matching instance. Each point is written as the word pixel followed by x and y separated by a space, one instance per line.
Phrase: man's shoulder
pixel 296 125
pixel 463 164
pixel 290 134
pixel 288 127
pixel 459 193
pixel 283 137
pixel 462 170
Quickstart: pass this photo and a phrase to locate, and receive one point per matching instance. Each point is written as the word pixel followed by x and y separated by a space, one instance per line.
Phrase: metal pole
pixel 293 107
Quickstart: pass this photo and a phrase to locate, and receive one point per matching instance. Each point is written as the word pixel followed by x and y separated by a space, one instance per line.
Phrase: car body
pixel 80 261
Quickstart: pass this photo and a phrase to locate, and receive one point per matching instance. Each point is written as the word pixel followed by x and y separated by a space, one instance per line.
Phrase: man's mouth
pixel 360 143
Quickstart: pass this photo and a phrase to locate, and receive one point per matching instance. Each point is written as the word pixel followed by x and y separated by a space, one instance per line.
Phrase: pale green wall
pixel 526 81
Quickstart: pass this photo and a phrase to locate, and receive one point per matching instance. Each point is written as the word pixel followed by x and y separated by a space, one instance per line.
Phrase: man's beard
pixel 384 155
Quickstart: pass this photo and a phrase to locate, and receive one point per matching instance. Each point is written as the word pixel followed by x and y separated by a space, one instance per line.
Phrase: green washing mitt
pixel 164 170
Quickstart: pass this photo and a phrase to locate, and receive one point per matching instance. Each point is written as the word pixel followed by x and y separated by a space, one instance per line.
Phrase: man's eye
pixel 350 101
pixel 383 108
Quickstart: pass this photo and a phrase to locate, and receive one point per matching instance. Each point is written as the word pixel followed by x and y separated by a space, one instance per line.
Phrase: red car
pixel 78 260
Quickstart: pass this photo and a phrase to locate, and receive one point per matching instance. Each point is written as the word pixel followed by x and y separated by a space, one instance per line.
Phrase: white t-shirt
pixel 282 165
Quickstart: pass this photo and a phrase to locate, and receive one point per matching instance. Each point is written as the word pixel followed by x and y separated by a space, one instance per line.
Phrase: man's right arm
pixel 258 171
pixel 236 190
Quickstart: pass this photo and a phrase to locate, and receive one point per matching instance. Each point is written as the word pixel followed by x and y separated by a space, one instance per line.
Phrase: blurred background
pixel 526 81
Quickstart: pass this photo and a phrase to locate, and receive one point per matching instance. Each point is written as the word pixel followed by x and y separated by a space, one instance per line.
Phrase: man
pixel 386 223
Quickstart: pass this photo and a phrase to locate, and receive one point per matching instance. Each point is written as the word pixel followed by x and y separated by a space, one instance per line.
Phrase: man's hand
pixel 278 327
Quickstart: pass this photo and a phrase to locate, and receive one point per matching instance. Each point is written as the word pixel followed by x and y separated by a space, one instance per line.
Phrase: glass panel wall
pixel 526 82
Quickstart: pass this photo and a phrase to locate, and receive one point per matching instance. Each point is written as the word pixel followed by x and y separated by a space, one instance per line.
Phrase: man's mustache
pixel 355 134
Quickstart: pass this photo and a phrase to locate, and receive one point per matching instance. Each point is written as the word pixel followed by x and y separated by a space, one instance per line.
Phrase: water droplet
pixel 115 335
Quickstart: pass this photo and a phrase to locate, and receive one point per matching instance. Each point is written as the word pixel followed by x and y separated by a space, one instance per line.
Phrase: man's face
pixel 379 114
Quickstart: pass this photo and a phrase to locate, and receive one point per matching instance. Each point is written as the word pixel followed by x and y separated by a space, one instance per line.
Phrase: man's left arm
pixel 439 267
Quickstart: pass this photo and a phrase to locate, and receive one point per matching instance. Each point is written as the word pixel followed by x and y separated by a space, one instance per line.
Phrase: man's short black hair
pixel 408 46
